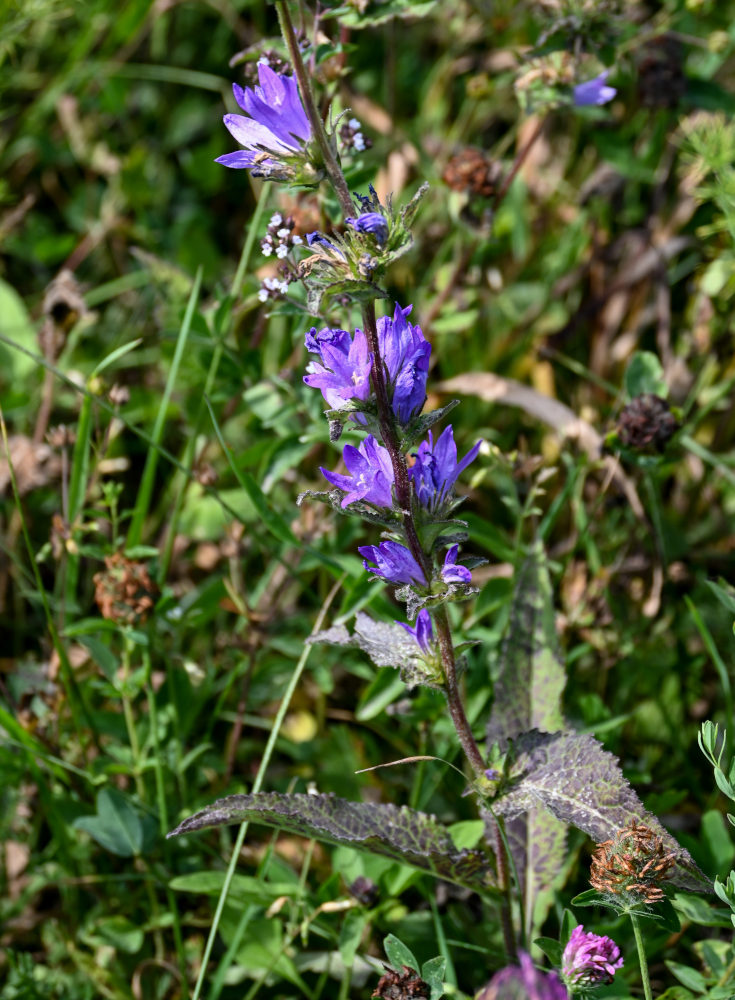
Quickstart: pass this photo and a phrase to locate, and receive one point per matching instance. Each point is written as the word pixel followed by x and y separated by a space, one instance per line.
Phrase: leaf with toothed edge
pixel 582 784
pixel 405 835
pixel 528 693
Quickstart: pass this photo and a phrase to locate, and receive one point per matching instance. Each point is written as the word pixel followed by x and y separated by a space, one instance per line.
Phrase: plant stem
pixel 403 495
pixel 317 125
pixel 641 956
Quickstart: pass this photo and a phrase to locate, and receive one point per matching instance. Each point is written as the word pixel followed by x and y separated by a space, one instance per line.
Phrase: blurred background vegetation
pixel 154 405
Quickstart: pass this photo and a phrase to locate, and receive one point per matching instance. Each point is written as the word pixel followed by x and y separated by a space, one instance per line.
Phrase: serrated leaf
pixel 580 783
pixel 528 696
pixel 532 678
pixel 538 843
pixel 387 645
pixel 406 835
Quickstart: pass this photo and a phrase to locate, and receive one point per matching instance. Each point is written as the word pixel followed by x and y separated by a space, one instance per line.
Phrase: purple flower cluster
pixel 590 959
pixel 371 473
pixel 436 469
pixel 344 371
pixel 523 982
pixel 276 128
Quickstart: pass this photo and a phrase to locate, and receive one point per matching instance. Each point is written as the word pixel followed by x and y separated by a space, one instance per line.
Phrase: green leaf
pixel 17 326
pixel 351 933
pixel 399 954
pixel 117 826
pixel 700 911
pixel 432 973
pixel 406 835
pixel 689 977
pixel 122 933
pixel 529 692
pixel 242 887
pixel 531 678
pixel 668 916
pixel 582 784
pixel 568 923
pixel 551 948
pixel 467 833
pixel 724 592
pixel 644 374
pixel 590 897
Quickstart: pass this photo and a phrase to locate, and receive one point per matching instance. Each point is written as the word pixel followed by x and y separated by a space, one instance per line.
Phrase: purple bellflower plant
pixel 370 474
pixel 274 134
pixel 393 562
pixel 594 91
pixel 422 632
pixel 523 982
pixel 436 469
pixel 590 959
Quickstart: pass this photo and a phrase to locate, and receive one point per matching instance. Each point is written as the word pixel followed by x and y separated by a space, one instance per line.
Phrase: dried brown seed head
pixel 124 591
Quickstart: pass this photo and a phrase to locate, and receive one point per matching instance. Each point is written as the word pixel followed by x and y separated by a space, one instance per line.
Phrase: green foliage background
pixel 615 238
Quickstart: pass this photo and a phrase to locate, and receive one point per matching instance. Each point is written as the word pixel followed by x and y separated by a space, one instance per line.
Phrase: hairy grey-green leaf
pixel 411 837
pixel 582 784
pixel 387 645
pixel 538 843
pixel 531 681
pixel 528 695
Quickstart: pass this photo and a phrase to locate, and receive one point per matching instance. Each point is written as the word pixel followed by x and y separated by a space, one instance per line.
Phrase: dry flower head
pixel 632 865
pixel 124 591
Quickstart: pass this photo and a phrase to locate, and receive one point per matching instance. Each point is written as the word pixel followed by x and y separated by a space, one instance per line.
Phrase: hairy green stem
pixel 641 956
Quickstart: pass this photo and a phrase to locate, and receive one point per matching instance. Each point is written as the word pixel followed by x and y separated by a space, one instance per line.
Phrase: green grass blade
pixel 146 485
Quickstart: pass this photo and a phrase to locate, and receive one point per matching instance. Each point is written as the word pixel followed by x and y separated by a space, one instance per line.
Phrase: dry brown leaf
pixel 565 422
pixel 35 465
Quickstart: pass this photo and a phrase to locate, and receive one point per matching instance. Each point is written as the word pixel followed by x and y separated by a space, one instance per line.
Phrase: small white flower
pixel 282 251
pixel 354 123
pixel 276 219
pixel 266 249
pixel 264 61
pixel 283 287
pixel 296 240
pixel 358 142
pixel 263 294
pixel 283 234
